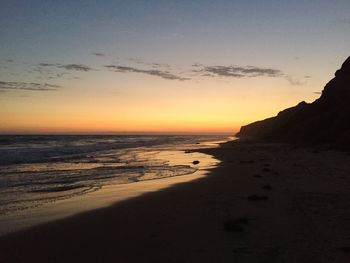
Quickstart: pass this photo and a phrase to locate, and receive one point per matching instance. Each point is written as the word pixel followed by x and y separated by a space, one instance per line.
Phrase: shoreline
pixel 107 195
pixel 263 203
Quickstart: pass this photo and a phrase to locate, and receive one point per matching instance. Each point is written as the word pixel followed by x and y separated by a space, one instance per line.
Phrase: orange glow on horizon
pixel 150 128
pixel 181 107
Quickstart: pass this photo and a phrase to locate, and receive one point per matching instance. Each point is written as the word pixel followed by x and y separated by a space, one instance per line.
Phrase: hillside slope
pixel 325 121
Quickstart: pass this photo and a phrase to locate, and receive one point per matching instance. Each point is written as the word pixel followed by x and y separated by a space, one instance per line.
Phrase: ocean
pixel 41 169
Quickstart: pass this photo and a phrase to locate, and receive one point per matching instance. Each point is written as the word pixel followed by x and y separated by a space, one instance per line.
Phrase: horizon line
pixel 115 133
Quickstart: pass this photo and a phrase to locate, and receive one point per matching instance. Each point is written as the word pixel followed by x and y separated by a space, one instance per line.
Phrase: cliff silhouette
pixel 325 121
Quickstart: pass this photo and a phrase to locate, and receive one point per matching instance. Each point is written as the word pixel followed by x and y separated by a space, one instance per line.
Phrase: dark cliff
pixel 325 121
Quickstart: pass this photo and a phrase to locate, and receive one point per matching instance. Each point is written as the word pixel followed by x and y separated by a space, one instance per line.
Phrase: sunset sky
pixel 163 66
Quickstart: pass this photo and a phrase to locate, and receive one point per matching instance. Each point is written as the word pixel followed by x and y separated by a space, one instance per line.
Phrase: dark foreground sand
pixel 264 203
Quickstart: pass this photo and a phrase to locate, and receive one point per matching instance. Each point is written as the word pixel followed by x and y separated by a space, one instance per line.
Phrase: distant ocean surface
pixel 40 169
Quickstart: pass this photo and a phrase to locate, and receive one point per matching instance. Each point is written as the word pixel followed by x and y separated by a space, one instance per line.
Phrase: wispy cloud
pixel 48 65
pixel 293 81
pixel 152 72
pixel 76 67
pixel 98 54
pixel 166 71
pixel 242 72
pixel 161 66
pixel 238 71
pixel 32 86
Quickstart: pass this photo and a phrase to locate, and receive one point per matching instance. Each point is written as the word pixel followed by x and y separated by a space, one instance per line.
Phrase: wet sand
pixel 264 203
pixel 109 194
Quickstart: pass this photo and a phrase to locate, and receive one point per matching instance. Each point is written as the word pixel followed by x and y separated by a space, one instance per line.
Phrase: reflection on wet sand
pixel 159 169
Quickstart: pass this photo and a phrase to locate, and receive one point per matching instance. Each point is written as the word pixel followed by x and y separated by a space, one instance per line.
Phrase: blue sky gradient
pixel 306 41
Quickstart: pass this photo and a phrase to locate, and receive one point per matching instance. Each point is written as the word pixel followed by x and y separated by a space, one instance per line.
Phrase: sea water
pixel 41 169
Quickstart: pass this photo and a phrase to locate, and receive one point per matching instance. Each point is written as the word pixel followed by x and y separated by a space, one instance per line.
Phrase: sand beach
pixel 263 203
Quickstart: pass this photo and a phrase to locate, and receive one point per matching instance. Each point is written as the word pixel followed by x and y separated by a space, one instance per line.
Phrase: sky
pixel 162 66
